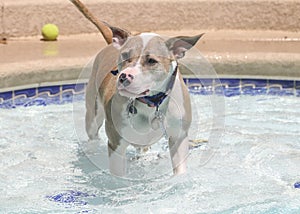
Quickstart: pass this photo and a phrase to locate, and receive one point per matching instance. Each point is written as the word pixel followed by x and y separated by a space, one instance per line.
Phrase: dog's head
pixel 147 61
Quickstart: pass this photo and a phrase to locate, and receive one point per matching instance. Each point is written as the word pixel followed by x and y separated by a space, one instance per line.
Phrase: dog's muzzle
pixel 125 79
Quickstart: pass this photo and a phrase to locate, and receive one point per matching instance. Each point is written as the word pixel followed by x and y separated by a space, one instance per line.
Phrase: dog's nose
pixel 125 79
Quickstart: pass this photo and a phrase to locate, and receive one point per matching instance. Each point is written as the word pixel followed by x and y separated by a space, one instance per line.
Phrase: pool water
pixel 45 169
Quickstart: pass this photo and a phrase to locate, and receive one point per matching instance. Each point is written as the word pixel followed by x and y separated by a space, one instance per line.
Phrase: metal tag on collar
pixel 131 109
pixel 158 122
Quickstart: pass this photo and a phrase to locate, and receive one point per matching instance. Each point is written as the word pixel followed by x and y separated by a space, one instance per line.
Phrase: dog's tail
pixel 102 26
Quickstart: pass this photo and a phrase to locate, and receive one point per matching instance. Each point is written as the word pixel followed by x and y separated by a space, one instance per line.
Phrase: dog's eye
pixel 151 61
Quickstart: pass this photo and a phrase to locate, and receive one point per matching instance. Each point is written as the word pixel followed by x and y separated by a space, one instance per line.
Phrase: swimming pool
pixel 47 167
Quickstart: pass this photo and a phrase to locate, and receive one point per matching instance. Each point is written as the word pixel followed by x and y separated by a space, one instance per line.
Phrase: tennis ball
pixel 50 32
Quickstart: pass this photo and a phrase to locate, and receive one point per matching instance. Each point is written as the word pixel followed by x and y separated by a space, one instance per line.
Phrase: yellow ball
pixel 50 32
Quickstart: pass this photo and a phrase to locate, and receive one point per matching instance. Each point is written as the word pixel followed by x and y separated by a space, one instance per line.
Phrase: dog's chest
pixel 138 124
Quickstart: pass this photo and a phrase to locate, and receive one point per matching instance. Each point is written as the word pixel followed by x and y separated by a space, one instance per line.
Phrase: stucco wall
pixel 26 17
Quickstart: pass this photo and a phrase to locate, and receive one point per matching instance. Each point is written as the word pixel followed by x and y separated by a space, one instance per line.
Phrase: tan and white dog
pixel 142 101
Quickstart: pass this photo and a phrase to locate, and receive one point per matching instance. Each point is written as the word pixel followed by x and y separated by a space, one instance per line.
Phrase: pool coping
pixel 234 54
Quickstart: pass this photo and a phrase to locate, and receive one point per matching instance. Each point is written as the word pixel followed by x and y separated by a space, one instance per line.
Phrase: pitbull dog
pixel 142 100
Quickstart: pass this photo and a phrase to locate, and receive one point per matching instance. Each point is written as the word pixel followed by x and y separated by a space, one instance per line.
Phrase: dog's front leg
pixel 117 158
pixel 179 150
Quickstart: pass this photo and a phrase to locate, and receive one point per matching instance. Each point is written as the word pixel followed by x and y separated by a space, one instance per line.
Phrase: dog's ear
pixel 179 45
pixel 119 36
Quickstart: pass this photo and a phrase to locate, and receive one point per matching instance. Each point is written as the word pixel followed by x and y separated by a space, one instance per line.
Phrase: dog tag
pixel 132 109
pixel 155 123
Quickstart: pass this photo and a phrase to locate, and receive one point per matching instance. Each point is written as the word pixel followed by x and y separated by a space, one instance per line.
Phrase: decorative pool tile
pixel 254 86
pixel 231 83
pixel 283 83
pixel 43 95
pixel 49 90
pixel 31 92
pixel 72 91
pixel 254 83
pixel 227 87
pixel 297 88
pixel 23 96
pixel 6 99
pixel 74 87
pixel 281 87
pixel 59 94
pixel 6 96
pixel 200 86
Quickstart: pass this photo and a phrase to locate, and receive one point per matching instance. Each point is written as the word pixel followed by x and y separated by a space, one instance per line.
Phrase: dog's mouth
pixel 145 93
pixel 126 93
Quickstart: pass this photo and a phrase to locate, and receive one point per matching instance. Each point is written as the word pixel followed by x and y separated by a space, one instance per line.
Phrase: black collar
pixel 154 100
pixel 157 99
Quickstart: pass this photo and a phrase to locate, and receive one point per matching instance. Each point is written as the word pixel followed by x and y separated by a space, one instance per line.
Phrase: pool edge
pixel 268 54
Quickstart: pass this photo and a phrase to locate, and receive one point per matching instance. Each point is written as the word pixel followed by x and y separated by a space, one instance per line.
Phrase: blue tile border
pixel 228 87
pixel 65 93
pixel 49 89
pixel 254 86
pixel 6 95
pixel 282 87
pixel 200 86
pixel 297 87
pixel 43 95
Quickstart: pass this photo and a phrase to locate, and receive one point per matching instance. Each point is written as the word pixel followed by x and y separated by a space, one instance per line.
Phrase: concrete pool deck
pixel 237 48
pixel 28 60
